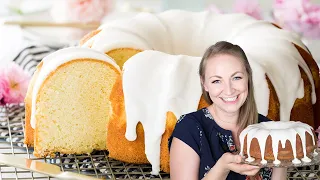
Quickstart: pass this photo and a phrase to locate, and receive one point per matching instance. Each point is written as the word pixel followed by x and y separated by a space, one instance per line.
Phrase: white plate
pixel 315 159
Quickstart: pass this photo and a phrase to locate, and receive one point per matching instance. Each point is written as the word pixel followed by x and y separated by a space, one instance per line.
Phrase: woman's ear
pixel 203 85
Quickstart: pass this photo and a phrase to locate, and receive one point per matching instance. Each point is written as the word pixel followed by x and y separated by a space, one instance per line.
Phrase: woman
pixel 204 143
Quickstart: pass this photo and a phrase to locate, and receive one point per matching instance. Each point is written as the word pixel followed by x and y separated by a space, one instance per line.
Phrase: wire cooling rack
pixel 96 164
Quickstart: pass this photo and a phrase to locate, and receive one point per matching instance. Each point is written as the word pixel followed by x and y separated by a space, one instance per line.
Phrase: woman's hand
pixel 231 162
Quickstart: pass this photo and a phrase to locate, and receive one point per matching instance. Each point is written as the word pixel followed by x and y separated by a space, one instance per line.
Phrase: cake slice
pixel 68 105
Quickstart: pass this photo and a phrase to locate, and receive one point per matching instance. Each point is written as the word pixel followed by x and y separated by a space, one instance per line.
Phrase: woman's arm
pixel 279 174
pixel 217 172
pixel 184 161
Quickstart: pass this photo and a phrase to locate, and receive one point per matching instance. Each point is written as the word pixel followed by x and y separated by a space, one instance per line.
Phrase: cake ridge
pixel 125 26
pixel 171 91
pixel 278 77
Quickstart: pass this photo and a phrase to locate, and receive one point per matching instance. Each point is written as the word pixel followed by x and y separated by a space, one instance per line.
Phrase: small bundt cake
pixel 278 141
pixel 67 103
pixel 286 77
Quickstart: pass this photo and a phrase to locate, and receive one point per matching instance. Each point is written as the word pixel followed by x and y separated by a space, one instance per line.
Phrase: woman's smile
pixel 230 100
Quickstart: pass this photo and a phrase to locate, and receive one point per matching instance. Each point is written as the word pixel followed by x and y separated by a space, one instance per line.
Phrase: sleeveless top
pixel 199 131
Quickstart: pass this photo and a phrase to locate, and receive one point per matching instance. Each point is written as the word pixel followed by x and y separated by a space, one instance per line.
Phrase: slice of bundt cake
pixel 68 102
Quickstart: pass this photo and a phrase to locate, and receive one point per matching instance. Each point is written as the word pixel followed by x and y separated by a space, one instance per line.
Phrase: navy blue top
pixel 209 141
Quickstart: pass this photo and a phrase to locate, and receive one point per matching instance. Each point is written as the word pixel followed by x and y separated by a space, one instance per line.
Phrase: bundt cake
pixel 286 77
pixel 156 54
pixel 67 103
pixel 276 141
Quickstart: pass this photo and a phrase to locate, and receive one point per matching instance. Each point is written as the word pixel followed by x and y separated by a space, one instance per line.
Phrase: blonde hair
pixel 248 113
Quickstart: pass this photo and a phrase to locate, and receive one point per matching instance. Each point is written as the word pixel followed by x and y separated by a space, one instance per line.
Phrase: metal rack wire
pixel 96 164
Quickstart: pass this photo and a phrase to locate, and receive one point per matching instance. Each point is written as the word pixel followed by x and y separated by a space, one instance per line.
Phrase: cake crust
pixel 29 132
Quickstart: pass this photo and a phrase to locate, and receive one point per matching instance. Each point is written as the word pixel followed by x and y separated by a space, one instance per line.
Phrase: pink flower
pixel 249 7
pixel 318 131
pixel 300 16
pixel 80 10
pixel 3 87
pixel 13 84
pixel 287 10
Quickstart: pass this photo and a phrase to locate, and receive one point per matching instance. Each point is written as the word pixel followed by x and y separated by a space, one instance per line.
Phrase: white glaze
pixel 279 131
pixel 57 58
pixel 172 85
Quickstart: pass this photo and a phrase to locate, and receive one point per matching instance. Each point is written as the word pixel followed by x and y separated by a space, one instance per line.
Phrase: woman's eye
pixel 216 81
pixel 237 78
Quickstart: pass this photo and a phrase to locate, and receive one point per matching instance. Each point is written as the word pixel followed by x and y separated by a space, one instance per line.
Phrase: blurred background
pixel 299 16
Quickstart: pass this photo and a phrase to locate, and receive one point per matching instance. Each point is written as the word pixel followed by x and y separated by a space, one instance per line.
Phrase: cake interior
pixel 73 107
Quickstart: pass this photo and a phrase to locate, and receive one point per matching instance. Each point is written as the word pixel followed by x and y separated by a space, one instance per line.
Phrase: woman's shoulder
pixel 262 118
pixel 188 129
pixel 191 118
